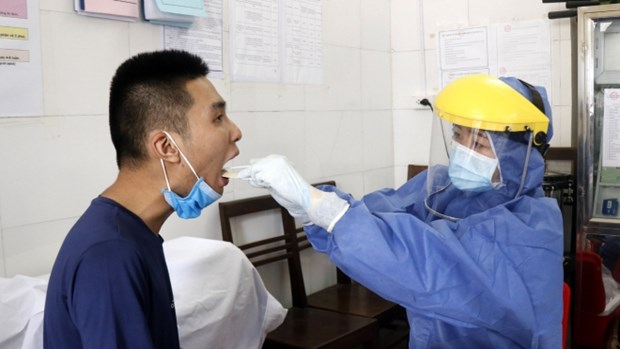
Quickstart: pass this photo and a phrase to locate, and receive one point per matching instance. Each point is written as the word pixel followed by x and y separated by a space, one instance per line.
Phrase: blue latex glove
pixel 289 189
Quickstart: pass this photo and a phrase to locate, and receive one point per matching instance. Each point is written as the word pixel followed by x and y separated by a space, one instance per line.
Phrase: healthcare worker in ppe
pixel 471 247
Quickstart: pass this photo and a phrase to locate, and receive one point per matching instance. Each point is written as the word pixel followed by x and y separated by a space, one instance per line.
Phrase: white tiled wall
pixel 80 54
pixel 342 81
pixel 53 166
pixel 358 128
pixel 342 22
pixel 376 76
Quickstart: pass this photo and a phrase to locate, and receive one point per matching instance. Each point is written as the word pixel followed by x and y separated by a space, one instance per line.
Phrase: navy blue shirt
pixel 109 287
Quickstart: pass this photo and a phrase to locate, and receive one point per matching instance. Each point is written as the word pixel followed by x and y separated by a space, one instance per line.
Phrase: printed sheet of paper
pixel 464 49
pixel 303 54
pixel 204 38
pixel 21 82
pixel 524 50
pixel 610 146
pixel 521 49
pixel 276 41
pixel 463 52
pixel 254 34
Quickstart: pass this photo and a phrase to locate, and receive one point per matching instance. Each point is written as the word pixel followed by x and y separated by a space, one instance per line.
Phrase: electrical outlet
pixel 417 103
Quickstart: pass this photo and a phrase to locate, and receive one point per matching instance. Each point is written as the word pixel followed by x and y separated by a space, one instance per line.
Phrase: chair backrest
pixel 283 247
pixel 413 170
pixel 288 222
pixel 302 240
pixel 590 292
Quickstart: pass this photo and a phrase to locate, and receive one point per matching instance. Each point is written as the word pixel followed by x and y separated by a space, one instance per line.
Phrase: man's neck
pixel 139 193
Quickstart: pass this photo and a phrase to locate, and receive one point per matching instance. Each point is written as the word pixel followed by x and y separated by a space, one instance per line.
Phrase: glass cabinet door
pixel 599 117
pixel 595 293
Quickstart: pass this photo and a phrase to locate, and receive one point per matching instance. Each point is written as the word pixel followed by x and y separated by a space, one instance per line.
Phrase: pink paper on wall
pixel 14 9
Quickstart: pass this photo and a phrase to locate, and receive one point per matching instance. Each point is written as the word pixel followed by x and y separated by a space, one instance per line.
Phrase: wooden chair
pixel 413 170
pixel 350 297
pixel 303 327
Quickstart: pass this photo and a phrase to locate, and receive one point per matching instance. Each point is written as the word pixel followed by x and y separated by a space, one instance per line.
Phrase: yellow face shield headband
pixel 487 103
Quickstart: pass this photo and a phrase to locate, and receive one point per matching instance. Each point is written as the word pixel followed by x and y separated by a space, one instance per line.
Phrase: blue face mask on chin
pixel 201 195
pixel 469 170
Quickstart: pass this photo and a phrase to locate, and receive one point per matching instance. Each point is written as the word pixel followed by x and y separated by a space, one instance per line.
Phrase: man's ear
pixel 160 147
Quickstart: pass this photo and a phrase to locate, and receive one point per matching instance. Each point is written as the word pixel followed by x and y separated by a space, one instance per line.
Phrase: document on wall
pixel 520 49
pixel 464 49
pixel 524 51
pixel 126 10
pixel 463 52
pixel 276 41
pixel 254 40
pixel 610 146
pixel 21 82
pixel 204 38
pixel 303 52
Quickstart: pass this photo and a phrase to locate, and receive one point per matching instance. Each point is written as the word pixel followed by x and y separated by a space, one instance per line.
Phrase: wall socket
pixel 416 102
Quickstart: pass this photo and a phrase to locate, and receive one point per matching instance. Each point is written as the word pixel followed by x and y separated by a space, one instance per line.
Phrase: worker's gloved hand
pixel 276 174
pixel 289 189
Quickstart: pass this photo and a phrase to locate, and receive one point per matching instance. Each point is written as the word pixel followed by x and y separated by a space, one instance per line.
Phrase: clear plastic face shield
pixel 464 157
pixel 484 132
pixel 465 163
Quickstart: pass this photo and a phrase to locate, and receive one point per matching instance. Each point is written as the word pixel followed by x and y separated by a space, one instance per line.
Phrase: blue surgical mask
pixel 201 195
pixel 470 170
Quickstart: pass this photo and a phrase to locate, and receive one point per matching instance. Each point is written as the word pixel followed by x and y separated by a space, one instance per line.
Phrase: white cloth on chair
pixel 220 298
pixel 22 299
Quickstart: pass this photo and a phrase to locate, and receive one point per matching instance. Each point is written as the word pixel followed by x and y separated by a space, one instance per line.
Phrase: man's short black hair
pixel 148 91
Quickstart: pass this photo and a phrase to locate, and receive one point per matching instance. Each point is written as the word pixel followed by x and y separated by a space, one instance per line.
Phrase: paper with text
pixel 204 38
pixel 21 85
pixel 610 145
pixel 520 49
pixel 277 41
